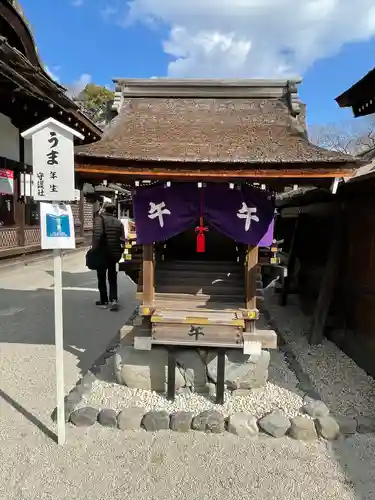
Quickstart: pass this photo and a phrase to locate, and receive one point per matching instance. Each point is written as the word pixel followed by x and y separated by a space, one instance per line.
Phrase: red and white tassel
pixel 201 238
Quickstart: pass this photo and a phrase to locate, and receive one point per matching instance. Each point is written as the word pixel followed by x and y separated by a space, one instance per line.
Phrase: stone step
pixel 198 281
pixel 212 290
pixel 198 265
pixel 198 273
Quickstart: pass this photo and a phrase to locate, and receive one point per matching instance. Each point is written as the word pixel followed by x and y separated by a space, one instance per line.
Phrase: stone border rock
pixel 314 424
pixel 84 385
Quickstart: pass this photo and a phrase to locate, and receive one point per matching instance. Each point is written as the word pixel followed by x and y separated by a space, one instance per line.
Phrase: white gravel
pixel 280 392
pixel 98 463
pixel 342 384
pixel 105 463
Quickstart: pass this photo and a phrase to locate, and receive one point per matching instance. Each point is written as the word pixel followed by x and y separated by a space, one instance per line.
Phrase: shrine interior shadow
pixel 214 276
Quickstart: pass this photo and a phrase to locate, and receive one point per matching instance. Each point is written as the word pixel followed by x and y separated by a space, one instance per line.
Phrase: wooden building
pixel 208 134
pixel 330 239
pixel 360 96
pixel 28 95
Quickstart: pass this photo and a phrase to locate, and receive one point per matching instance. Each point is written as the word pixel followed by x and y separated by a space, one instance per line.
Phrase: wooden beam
pixel 327 284
pixel 316 209
pixel 364 108
pixel 291 262
pixel 233 172
pixel 148 291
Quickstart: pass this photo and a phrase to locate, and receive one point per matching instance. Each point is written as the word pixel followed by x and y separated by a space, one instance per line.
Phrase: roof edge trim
pixel 207 88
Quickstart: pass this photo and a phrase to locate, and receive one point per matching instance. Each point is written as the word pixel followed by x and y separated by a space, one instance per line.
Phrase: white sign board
pixel 53 160
pixel 125 223
pixel 252 347
pixel 56 226
pixel 6 181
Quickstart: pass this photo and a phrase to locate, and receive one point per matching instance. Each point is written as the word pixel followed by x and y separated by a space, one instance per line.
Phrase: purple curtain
pixel 162 212
pixel 244 214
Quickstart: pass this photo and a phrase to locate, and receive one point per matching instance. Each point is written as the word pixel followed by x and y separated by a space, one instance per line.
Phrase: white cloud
pixel 53 73
pixel 73 89
pixel 76 87
pixel 254 38
pixel 77 3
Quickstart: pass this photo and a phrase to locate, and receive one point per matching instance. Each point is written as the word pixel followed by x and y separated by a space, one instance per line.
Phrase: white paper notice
pixel 57 226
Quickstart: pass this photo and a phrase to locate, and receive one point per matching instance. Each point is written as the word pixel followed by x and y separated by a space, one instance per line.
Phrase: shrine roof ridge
pixel 209 82
pixel 205 87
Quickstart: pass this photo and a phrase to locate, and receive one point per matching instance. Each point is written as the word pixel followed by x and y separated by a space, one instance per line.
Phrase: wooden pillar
pixel 251 271
pixel 82 213
pixel 327 284
pixel 148 275
pixel 171 378
pixel 19 204
pixel 291 262
pixel 220 386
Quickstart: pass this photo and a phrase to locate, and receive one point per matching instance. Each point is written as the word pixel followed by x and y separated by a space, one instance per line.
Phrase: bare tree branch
pixel 351 137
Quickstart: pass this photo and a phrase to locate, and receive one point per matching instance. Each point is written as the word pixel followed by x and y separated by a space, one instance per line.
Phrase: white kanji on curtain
pixel 247 213
pixel 158 210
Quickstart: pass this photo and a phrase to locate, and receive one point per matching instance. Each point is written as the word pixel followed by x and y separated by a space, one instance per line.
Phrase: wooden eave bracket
pixel 335 185
pixel 294 101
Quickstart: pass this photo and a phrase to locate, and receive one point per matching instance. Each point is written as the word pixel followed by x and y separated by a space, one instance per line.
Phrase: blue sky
pixel 98 38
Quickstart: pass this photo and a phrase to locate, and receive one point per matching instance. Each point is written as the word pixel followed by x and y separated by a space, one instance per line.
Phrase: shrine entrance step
pixel 200 289
pixel 202 265
pixel 201 278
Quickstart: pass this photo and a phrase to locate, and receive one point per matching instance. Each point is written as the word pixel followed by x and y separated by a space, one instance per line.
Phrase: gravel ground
pixel 280 392
pixel 102 463
pixel 165 466
pixel 343 386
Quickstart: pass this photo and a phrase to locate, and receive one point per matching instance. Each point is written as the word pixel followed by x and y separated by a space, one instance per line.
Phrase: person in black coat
pixel 108 241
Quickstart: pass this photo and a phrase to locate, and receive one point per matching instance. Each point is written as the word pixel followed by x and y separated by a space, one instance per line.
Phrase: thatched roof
pixel 209 121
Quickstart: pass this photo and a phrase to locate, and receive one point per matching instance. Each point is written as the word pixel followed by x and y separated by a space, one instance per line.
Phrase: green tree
pixel 95 101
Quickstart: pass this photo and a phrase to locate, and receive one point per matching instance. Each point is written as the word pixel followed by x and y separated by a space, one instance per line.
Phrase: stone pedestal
pixel 196 370
pixel 241 371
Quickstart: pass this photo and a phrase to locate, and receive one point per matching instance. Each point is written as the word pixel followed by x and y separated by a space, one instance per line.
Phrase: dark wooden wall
pixel 352 314
pixel 358 269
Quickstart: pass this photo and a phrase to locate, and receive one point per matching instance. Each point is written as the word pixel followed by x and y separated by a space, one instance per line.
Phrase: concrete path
pixel 27 351
pixel 101 463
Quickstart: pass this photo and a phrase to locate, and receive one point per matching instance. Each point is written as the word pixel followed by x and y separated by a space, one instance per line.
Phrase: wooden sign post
pixel 53 185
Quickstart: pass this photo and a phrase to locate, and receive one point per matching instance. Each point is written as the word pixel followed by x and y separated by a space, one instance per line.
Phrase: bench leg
pixel 220 376
pixel 171 373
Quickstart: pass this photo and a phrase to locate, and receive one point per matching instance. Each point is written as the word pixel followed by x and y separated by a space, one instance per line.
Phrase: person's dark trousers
pixel 102 273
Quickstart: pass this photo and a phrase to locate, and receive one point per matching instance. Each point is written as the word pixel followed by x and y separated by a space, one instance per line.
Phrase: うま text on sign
pixel 53 160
